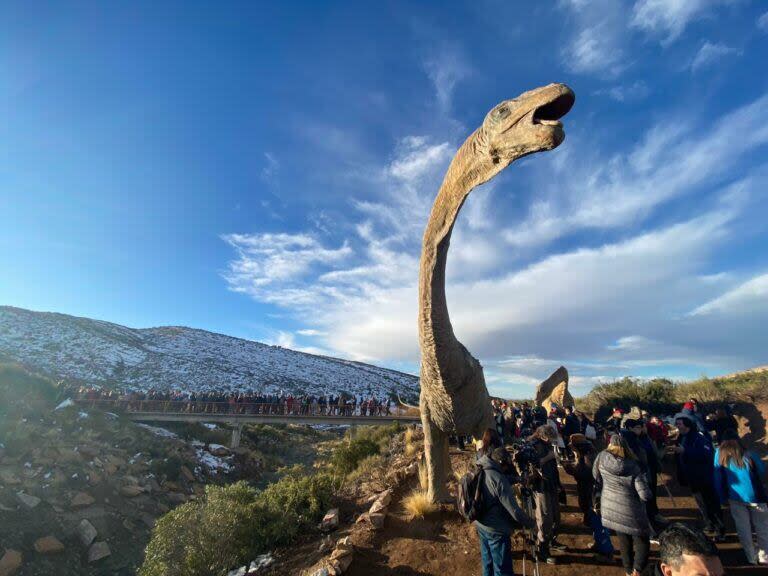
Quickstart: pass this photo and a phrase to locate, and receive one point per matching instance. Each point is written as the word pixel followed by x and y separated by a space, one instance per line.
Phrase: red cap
pixel 688 406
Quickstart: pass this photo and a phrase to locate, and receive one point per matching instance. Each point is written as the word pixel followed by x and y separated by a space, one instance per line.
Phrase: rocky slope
pixel 97 352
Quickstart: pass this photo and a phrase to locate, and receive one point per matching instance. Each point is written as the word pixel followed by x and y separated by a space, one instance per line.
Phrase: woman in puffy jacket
pixel 739 477
pixel 623 490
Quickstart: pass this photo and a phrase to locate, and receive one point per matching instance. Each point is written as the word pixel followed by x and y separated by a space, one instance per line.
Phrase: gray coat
pixel 623 493
pixel 500 511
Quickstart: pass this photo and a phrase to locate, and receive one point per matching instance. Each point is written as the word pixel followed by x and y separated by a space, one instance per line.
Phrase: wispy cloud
pixel 668 19
pixel 748 297
pixel 666 164
pixel 710 53
pixel 762 22
pixel 597 46
pixel 446 67
pixel 633 92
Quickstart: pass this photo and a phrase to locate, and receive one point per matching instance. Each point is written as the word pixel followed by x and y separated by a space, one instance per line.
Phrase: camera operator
pixel 500 513
pixel 545 485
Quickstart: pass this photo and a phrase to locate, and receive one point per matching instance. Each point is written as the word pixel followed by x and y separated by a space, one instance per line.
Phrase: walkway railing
pixel 285 409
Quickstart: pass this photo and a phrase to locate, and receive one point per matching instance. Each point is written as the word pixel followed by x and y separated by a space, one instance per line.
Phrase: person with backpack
pixel 487 499
pixel 739 477
pixel 622 488
pixel 546 488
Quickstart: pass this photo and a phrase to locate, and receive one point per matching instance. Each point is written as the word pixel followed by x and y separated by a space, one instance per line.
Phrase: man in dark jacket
pixel 546 488
pixel 500 514
pixel 683 552
pixel 695 468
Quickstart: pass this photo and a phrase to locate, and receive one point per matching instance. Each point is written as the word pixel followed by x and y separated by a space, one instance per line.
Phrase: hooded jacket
pixel 500 511
pixel 624 491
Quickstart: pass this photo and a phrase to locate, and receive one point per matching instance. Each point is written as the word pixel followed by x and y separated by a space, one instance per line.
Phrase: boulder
pixel 177 497
pixel 326 544
pixel 82 500
pixel 130 490
pixel 9 478
pixel 10 563
pixel 187 474
pixel 86 532
pixel 238 571
pixel 219 450
pixel 28 500
pixel 330 520
pixel 48 545
pixel 554 390
pixel 98 551
pixel 377 520
pixel 343 557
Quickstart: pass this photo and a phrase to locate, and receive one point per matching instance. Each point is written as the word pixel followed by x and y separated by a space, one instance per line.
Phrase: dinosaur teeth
pixel 549 122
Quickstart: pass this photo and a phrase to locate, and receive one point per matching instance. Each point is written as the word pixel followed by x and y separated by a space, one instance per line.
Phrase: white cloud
pixel 633 92
pixel 597 44
pixel 669 18
pixel 748 297
pixel 446 68
pixel 633 343
pixel 710 53
pixel 674 158
pixel 762 22
pixel 311 332
pixel 271 168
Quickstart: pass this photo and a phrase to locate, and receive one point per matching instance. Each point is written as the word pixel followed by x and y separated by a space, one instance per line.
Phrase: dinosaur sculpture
pixel 454 397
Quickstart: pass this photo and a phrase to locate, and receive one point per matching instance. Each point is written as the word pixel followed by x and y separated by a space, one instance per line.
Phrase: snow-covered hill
pixel 93 351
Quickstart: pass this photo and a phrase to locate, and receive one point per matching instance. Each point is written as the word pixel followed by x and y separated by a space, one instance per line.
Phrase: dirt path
pixel 445 545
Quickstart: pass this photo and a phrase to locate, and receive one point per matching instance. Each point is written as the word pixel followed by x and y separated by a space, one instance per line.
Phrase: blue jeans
pixel 495 553
pixel 602 537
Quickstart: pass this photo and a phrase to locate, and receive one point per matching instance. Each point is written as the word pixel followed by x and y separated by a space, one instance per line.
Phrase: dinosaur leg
pixel 438 461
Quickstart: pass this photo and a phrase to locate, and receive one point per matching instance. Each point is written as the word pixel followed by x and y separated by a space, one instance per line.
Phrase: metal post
pixel 237 433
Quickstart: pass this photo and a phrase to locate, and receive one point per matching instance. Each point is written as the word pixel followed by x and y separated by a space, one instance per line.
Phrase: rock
pixel 9 478
pixel 330 520
pixel 98 551
pixel 343 558
pixel 218 450
pixel 48 545
pixel 385 497
pixel 82 500
pixel 260 562
pixel 153 485
pixel 377 520
pixel 377 507
pixel 186 473
pixel 326 544
pixel 86 532
pixel 110 469
pixel 177 498
pixel 344 543
pixel 238 571
pixel 10 563
pixel 362 518
pixel 321 572
pixel 130 491
pixel 554 390
pixel 28 500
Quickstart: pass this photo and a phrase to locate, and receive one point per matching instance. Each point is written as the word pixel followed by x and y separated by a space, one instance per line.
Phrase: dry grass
pixel 413 441
pixel 423 476
pixel 417 504
pixel 462 468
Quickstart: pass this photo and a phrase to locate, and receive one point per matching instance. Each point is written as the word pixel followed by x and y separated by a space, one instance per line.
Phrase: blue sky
pixel 266 170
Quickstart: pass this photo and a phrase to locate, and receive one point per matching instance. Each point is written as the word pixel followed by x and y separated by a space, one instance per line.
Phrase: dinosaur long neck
pixel 439 347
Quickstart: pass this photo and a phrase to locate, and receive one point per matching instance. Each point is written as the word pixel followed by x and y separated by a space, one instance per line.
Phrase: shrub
pixel 417 504
pixel 348 455
pixel 233 525
pixel 367 468
pixel 169 467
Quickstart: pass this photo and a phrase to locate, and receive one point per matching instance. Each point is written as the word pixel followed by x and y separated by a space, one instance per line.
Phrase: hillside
pixel 97 352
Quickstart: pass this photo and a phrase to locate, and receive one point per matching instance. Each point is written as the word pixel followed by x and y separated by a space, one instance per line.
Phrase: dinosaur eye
pixel 502 112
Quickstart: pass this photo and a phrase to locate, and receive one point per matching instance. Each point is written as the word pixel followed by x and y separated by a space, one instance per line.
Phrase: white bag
pixel 590 432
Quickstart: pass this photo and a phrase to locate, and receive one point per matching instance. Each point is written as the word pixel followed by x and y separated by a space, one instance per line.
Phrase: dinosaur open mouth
pixel 550 113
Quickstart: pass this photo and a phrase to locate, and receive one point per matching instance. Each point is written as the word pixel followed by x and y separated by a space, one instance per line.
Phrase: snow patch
pixel 66 404
pixel 162 432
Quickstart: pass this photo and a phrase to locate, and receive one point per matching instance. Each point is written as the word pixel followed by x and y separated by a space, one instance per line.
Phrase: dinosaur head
pixel 526 124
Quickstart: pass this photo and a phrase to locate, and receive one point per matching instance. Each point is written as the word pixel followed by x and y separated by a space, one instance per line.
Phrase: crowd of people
pixel 616 467
pixel 248 402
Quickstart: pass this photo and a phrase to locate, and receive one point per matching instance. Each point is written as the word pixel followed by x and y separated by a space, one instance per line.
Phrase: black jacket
pixel 500 512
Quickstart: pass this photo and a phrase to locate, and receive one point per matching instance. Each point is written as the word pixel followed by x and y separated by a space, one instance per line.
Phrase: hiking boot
pixel 551 560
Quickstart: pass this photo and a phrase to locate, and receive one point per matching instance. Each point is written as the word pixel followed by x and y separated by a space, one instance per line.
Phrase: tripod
pixel 530 541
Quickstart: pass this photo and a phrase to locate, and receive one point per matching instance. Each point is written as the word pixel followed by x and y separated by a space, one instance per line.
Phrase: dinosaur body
pixel 454 397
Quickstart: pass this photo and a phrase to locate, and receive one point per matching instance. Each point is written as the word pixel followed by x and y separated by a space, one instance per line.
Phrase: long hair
pixel 491 440
pixel 618 447
pixel 732 450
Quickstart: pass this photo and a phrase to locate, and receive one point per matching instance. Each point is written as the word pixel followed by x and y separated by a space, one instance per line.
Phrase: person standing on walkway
pixel 695 468
pixel 546 488
pixel 500 513
pixel 739 477
pixel 623 489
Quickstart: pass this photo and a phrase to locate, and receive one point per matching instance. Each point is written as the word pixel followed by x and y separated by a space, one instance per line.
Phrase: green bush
pixel 169 467
pixel 233 525
pixel 349 454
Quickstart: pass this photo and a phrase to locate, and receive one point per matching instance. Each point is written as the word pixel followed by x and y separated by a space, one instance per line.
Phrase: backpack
pixel 469 498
